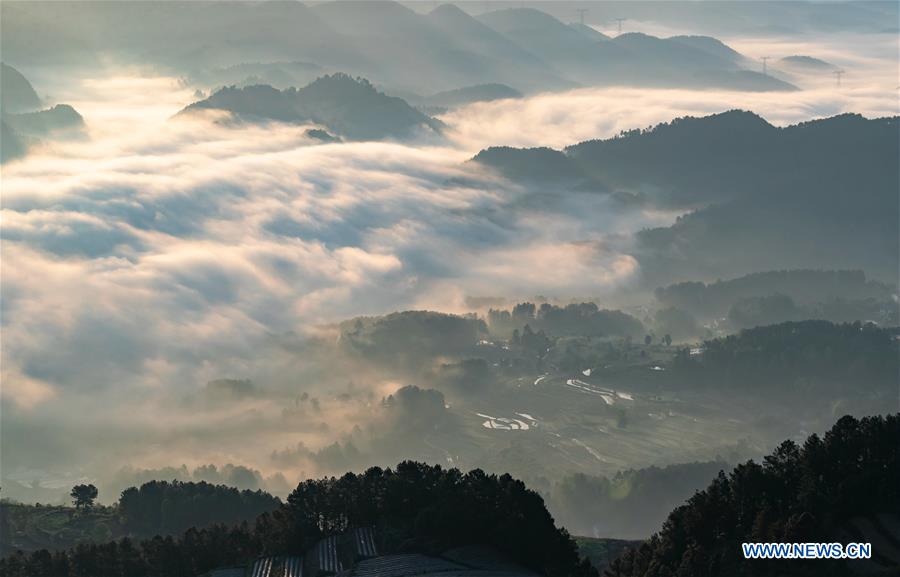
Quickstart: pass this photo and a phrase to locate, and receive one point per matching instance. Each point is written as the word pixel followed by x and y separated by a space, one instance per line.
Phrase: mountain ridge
pixel 352 108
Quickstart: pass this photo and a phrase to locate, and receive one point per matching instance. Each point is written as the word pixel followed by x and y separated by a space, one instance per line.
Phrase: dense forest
pixel 415 507
pixel 410 339
pixel 803 286
pixel 350 107
pixel 166 508
pixel 798 359
pixel 819 176
pixel 798 494
pixel 788 295
pixel 575 319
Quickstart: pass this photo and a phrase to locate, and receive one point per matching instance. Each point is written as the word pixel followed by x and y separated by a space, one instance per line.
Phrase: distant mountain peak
pixel 347 106
pixel 342 81
pixel 522 17
pixel 450 10
pixel 589 32
pixel 808 62
pixel 16 92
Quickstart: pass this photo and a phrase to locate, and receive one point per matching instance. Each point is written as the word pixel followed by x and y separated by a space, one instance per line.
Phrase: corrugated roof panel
pixel 364 542
pixel 327 555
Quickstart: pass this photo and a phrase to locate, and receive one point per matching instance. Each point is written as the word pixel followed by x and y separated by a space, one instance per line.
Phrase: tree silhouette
pixel 414 507
pixel 797 494
pixel 83 496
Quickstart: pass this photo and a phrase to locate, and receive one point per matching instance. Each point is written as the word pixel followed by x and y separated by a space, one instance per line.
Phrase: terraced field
pixel 554 423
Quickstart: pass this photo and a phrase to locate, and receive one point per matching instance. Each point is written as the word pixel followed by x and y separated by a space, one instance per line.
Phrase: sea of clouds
pixel 156 254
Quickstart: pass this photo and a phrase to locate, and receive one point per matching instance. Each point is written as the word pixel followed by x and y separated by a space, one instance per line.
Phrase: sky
pixel 154 254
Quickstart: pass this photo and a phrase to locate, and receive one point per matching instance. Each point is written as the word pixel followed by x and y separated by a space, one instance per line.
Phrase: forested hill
pixel 841 487
pixel 414 508
pixel 763 197
pixel 154 508
pixel 351 108
pixel 713 300
pixel 17 94
pixel 815 361
pixel 709 159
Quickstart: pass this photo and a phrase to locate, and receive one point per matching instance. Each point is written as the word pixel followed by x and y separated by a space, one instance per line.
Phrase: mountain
pixel 441 50
pixel 352 108
pixel 687 61
pixel 469 94
pixel 761 197
pixel 44 122
pixel 569 50
pixel 841 487
pixel 666 52
pixel 691 159
pixel 21 121
pixel 509 62
pixel 384 41
pixel 588 57
pixel 400 43
pixel 588 32
pixel 805 286
pixel 794 205
pixel 739 153
pixel 807 363
pixel 538 165
pixel 11 145
pixel 16 93
pixel 710 45
pixel 280 75
pixel 807 64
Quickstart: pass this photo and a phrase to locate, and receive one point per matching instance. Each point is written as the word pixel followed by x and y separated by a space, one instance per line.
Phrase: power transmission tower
pixel 764 60
pixel 619 21
pixel 837 77
pixel 581 13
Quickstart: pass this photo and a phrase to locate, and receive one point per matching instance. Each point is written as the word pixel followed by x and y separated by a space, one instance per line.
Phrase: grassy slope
pixel 30 527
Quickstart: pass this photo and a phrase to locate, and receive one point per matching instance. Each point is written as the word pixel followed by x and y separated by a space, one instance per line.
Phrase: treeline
pixel 630 505
pixel 192 554
pixel 415 507
pixel 798 494
pixel 167 508
pixel 801 358
pixel 778 308
pixel 420 507
pixel 820 177
pixel 576 319
pixel 154 508
pixel 803 287
pixel 411 339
